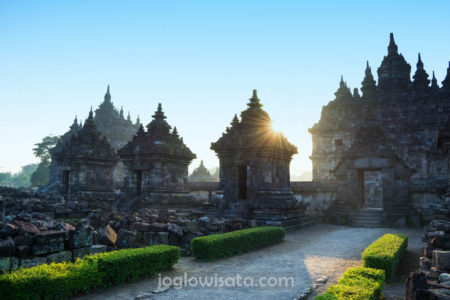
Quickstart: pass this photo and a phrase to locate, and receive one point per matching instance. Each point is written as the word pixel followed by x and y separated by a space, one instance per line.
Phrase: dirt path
pixel 306 256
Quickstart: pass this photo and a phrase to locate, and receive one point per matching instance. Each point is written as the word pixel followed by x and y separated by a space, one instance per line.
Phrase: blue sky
pixel 201 59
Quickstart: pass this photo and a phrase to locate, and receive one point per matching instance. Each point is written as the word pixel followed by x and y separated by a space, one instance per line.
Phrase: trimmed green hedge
pixel 325 297
pixel 380 261
pixel 357 283
pixel 385 253
pixel 218 246
pixel 63 280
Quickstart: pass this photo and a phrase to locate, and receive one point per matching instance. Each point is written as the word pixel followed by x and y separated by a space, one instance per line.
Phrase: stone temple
pixel 85 162
pixel 389 164
pixel 157 163
pixel 377 157
pixel 254 166
pixel 112 125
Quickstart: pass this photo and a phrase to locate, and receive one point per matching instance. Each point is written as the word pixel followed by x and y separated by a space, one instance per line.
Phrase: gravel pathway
pixel 313 256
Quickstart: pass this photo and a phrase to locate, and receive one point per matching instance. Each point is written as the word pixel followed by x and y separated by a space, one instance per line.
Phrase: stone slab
pixel 59 257
pixel 47 248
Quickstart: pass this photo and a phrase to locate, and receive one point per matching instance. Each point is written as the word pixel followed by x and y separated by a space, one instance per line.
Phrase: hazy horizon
pixel 200 60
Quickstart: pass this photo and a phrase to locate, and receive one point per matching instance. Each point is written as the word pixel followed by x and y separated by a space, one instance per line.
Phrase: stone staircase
pixel 291 221
pixel 297 222
pixel 368 217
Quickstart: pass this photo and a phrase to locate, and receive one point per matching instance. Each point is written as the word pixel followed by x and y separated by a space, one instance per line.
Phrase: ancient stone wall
pixel 314 197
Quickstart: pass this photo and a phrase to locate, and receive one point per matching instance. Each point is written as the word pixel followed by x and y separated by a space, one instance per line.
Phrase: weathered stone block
pixel 59 257
pixel 155 238
pixel 192 226
pixel 8 230
pixel 23 250
pixel 51 236
pixel 26 228
pixel 158 227
pixel 125 239
pixel 47 248
pixel 107 236
pixel 23 240
pixel 142 226
pixel 63 227
pixel 174 240
pixel 444 277
pixel 442 241
pixel 98 248
pixel 428 251
pixel 15 263
pixel 5 264
pixel 80 252
pixel 80 237
pixel 148 238
pixel 416 281
pixel 204 219
pixel 439 294
pixel 174 228
pixel 32 262
pixel 7 247
pixel 441 260
pixel 164 237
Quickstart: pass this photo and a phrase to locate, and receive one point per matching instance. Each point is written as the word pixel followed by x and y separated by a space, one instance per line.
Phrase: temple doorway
pixel 138 182
pixel 242 177
pixel 65 181
pixel 373 189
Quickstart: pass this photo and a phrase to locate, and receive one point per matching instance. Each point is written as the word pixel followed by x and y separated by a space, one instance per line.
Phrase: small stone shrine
pixel 254 167
pixel 157 163
pixel 85 163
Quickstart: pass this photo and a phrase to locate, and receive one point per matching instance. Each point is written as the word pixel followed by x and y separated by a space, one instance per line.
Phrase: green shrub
pixel 63 280
pixel 131 264
pixel 217 246
pixel 56 280
pixel 351 292
pixel 357 283
pixel 385 253
pixel 377 275
pixel 325 297
pixel 374 287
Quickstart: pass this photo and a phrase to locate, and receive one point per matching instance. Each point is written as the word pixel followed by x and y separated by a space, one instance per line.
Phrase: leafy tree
pixel 41 176
pixel 21 179
pixel 42 149
pixel 29 169
pixel 5 179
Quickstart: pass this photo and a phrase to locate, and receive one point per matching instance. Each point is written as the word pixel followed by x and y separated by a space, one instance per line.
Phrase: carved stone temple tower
pixel 254 167
pixel 443 211
pixel 407 112
pixel 84 163
pixel 157 163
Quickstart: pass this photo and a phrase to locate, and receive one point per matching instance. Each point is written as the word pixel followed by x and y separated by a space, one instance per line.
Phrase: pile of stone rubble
pixel 432 280
pixel 38 229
